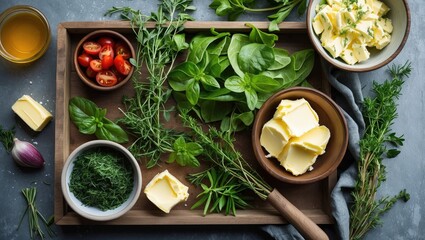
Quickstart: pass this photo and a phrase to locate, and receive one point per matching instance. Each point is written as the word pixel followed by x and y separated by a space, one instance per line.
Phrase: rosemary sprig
pixel 6 138
pixel 157 49
pixel 220 150
pixel 34 215
pixel 379 114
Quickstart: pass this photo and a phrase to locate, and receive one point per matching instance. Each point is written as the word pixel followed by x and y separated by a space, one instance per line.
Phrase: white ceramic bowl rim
pixel 386 55
pixel 93 213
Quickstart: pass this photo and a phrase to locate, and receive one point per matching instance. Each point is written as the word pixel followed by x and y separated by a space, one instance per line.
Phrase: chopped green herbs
pixel 6 138
pixel 101 179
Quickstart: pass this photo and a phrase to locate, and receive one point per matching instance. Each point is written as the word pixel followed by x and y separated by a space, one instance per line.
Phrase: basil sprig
pixel 91 119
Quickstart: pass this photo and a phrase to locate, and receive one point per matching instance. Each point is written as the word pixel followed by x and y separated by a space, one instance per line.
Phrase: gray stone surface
pixel 404 221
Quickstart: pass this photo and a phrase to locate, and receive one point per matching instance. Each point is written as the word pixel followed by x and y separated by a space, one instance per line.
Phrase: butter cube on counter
pixel 166 191
pixel 32 113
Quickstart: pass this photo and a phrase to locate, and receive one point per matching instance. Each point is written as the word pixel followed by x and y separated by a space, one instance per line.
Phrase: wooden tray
pixel 312 199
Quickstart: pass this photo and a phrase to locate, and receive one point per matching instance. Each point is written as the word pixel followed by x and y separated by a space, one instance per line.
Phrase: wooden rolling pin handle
pixel 301 222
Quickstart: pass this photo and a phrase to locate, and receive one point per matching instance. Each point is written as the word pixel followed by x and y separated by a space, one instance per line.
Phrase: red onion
pixel 26 154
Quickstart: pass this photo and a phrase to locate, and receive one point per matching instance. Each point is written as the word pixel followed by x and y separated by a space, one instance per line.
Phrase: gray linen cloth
pixel 348 94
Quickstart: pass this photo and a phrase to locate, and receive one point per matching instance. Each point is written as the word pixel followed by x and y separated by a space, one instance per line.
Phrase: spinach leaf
pixel 180 76
pixel 258 36
pixel 262 83
pixel 221 95
pixel 298 58
pixel 212 111
pixel 91 120
pixel 281 59
pixel 199 45
pixel 255 57
pixel 236 43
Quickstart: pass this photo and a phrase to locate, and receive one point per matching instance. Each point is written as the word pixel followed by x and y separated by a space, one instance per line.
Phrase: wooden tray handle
pixel 301 222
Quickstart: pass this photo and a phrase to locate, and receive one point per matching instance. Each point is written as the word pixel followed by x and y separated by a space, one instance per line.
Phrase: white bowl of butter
pixel 361 35
pixel 299 135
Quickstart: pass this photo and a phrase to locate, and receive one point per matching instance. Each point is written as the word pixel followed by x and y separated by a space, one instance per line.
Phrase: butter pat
pixel 314 140
pixel 274 137
pixel 296 159
pixel 301 119
pixel 166 191
pixel 32 113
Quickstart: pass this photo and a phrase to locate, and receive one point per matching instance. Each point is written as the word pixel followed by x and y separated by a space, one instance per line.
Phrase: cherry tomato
pixel 96 65
pixel 123 66
pixel 107 62
pixel 119 76
pixel 92 48
pixel 122 49
pixel 106 78
pixel 90 72
pixel 84 59
pixel 106 41
pixel 106 50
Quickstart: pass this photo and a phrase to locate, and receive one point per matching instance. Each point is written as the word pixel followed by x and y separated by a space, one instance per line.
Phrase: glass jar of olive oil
pixel 24 34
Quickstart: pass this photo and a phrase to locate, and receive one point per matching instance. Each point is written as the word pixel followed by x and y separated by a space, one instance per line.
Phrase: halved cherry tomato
pixel 106 50
pixel 84 59
pixel 96 65
pixel 107 62
pixel 123 66
pixel 90 72
pixel 122 49
pixel 119 76
pixel 92 48
pixel 106 41
pixel 106 78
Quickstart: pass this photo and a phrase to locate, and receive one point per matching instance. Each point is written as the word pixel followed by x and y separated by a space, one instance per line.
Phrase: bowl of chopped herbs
pixel 101 180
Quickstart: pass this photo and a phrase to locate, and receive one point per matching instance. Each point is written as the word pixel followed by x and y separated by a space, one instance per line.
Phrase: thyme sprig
pixel 379 114
pixel 157 50
pixel 220 151
pixel 34 215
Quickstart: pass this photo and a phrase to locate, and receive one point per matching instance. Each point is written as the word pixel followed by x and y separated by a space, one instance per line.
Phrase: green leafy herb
pixel 379 114
pixel 220 151
pixel 34 215
pixel 224 192
pixel 101 179
pixel 282 8
pixel 157 50
pixel 185 153
pixel 91 120
pixel 6 138
pixel 255 57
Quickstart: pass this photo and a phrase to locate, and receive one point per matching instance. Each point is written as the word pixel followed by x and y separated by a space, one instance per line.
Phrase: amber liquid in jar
pixel 23 35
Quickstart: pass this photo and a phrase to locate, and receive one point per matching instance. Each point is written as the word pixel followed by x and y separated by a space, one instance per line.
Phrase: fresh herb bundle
pixel 6 138
pixel 91 120
pixel 226 77
pixel 34 215
pixel 281 8
pixel 157 49
pixel 101 179
pixel 379 114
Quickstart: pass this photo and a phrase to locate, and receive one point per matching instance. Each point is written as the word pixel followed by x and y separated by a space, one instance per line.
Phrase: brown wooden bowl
pixel 81 71
pixel 329 114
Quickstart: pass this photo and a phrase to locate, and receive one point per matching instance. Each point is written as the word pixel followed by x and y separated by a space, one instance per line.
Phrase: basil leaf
pixel 235 84
pixel 242 120
pixel 210 81
pixel 298 58
pixel 179 42
pixel 221 95
pixel 194 148
pixel 262 83
pixel 111 131
pixel 192 92
pixel 255 57
pixel 199 45
pixel 258 36
pixel 220 47
pixel 87 125
pixel 80 109
pixel 236 43
pixel 180 77
pixel 251 98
